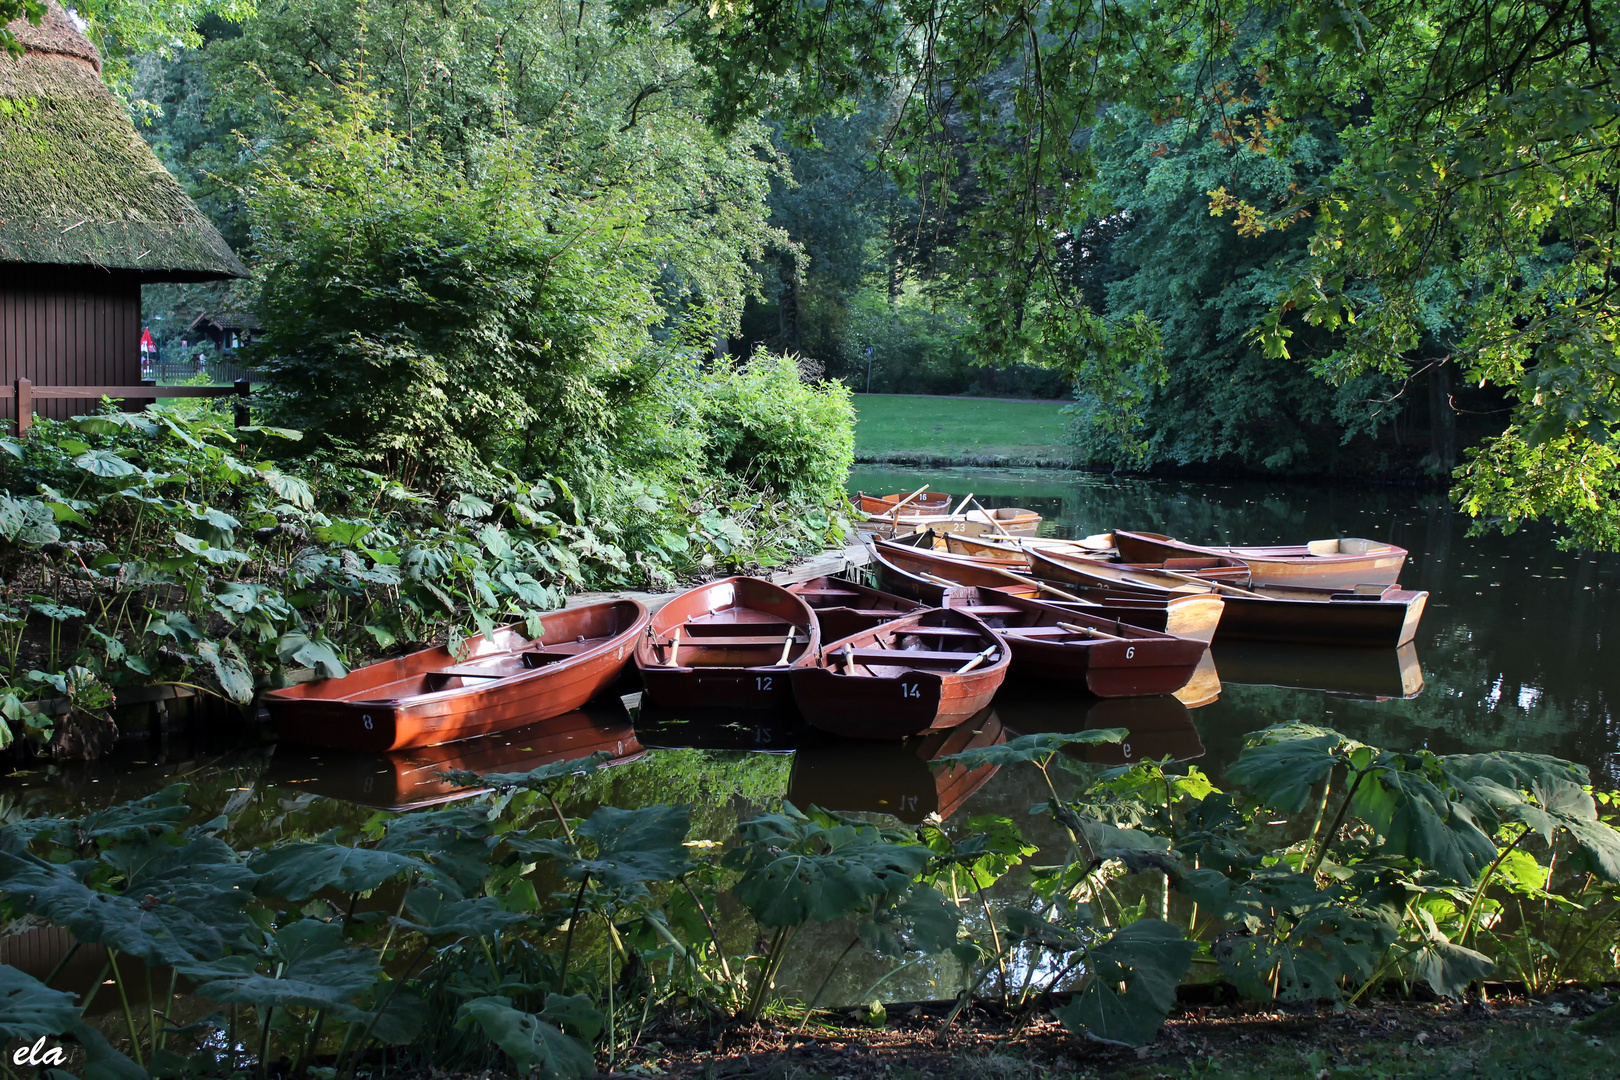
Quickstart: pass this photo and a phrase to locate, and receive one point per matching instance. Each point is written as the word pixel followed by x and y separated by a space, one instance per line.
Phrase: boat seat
pixel 822 594
pixel 904 657
pixel 990 609
pixel 471 671
pixel 940 631
pixel 736 641
pixel 696 629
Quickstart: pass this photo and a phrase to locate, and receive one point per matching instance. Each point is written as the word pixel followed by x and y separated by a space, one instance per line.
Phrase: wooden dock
pixel 831 561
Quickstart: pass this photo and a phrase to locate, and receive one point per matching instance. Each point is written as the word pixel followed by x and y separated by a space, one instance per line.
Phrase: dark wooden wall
pixel 67 326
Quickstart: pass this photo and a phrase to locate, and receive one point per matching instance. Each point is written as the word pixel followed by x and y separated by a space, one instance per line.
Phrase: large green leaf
pixel 1557 805
pixel 1133 982
pixel 151 926
pixel 635 846
pixel 104 463
pixel 922 922
pixel 430 911
pixel 27 521
pixel 530 1042
pixel 1415 817
pixel 299 871
pixel 29 1008
pixel 296 647
pixel 1033 748
pixel 233 674
pixel 1285 763
pixel 102 1061
pixel 1448 968
pixel 309 963
pixel 539 779
pixel 796 869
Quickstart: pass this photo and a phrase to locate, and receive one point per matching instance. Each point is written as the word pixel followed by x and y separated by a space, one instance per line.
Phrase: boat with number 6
pixel 495 682
pixel 728 644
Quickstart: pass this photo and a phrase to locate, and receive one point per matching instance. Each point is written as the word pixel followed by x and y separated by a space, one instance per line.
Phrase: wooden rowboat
pixel 933 578
pixel 903 779
pixel 1369 615
pixel 728 644
pixel 1108 657
pixel 927 671
pixel 412 778
pixel 845 607
pixel 1001 521
pixel 928 504
pixel 1321 563
pixel 500 681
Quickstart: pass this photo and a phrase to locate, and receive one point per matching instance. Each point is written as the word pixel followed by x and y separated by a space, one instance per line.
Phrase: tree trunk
pixel 1442 421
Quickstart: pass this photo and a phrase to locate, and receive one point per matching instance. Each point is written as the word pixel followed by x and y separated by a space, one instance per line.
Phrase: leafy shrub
pixel 767 425
pixel 169 546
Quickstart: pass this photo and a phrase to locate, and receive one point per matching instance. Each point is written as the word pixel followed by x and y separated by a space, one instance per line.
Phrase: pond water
pixel 1511 655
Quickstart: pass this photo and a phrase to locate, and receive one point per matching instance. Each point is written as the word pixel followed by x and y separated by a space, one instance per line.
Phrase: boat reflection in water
pixel 1159 727
pixel 1204 686
pixel 903 779
pixel 768 731
pixel 409 779
pixel 1377 674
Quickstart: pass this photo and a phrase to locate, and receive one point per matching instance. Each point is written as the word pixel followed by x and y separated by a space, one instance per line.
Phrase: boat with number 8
pixel 494 682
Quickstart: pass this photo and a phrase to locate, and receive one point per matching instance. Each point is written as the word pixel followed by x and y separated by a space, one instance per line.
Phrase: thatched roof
pixel 78 185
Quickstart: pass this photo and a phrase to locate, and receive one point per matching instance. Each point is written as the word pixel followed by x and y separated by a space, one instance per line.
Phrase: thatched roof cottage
pixel 87 214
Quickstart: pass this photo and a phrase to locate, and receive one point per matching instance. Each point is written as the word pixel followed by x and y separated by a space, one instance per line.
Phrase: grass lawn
pixel 897 426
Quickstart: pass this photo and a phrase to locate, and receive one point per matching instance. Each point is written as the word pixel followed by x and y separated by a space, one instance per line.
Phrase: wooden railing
pixel 27 393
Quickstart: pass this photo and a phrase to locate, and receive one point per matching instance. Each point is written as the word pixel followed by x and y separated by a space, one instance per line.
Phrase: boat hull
pixel 1128 662
pixel 898 701
pixel 366 710
pixel 730 655
pixel 1379 564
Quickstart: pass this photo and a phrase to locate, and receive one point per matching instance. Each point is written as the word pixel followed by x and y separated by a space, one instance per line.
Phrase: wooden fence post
pixel 242 391
pixel 24 391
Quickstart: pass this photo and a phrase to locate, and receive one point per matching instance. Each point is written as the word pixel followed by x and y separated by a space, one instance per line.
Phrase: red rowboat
pixel 931 577
pixel 1322 563
pixel 501 681
pixel 844 607
pixel 926 504
pixel 924 672
pixel 1108 657
pixel 727 644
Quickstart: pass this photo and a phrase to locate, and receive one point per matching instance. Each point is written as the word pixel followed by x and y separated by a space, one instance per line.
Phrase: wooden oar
pixel 787 646
pixel 977 660
pixel 1091 631
pixel 959 507
pixel 992 519
pixel 1010 576
pixel 895 514
pixel 674 648
pixel 1211 584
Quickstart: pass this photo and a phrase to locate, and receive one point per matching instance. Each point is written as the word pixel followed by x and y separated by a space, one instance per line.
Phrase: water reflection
pixel 1363 673
pixel 1159 727
pixel 905 779
pixel 411 779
